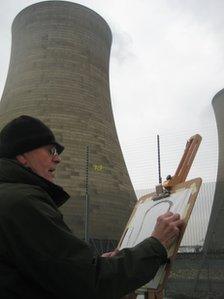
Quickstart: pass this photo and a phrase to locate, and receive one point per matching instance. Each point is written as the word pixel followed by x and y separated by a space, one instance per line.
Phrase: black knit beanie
pixel 23 134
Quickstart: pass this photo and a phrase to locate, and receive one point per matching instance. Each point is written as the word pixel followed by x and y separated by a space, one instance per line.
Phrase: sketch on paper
pixel 144 219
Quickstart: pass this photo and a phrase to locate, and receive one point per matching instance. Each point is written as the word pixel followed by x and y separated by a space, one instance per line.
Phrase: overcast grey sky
pixel 166 65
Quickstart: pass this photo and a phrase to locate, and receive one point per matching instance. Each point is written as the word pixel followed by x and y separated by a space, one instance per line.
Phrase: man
pixel 40 258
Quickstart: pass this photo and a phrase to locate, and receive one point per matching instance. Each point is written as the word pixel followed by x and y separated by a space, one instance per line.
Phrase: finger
pixel 115 252
pixel 110 254
pixel 167 214
pixel 171 220
pixel 166 220
pixel 106 254
pixel 173 217
pixel 172 229
pixel 179 223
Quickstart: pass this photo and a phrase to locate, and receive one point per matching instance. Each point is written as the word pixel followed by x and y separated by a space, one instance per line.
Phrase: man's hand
pixel 167 228
pixel 110 254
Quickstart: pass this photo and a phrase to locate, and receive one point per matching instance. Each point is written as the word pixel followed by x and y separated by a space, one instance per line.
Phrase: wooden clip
pixel 185 162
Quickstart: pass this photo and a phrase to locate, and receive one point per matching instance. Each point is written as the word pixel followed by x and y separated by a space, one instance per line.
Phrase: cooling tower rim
pixel 62 2
pixel 217 95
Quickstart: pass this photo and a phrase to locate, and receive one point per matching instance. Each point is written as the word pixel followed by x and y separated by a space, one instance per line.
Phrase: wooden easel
pixel 165 190
pixel 179 177
pixel 185 162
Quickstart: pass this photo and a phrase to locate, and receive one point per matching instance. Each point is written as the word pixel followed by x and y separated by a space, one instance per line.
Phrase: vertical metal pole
pixel 87 197
pixel 159 167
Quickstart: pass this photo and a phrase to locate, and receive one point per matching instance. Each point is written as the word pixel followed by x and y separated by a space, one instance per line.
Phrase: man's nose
pixel 56 158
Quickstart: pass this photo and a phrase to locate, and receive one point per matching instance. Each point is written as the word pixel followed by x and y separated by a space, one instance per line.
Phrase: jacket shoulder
pixel 12 195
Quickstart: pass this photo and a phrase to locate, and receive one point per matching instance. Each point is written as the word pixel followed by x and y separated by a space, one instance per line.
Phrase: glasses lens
pixel 53 151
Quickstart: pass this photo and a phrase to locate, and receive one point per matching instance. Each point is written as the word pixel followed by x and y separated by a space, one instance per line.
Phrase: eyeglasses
pixel 53 151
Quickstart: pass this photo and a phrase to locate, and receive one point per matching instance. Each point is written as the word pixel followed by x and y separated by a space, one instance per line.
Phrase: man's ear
pixel 21 159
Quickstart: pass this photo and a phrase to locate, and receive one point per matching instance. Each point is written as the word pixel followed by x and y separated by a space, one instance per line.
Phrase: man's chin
pixel 50 177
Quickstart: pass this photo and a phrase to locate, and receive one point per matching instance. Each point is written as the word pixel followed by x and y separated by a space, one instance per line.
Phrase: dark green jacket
pixel 40 258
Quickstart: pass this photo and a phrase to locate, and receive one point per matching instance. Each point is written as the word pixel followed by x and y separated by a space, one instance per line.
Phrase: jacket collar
pixel 11 171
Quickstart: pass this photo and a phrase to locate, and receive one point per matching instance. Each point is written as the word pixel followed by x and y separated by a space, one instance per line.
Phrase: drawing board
pixel 143 219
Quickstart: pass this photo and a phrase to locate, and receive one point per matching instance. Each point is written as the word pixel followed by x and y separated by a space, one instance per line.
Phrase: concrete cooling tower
pixel 59 72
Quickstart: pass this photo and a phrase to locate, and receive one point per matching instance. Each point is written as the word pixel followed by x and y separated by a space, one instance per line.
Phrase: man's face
pixel 42 161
